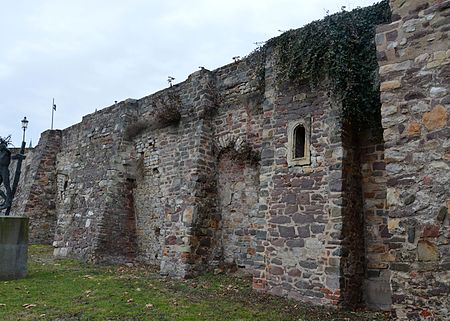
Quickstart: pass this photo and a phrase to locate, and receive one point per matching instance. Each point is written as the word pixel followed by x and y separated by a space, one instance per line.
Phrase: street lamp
pixel 20 157
pixel 24 127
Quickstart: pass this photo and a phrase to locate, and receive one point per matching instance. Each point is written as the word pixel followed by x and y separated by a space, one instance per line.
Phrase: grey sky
pixel 89 53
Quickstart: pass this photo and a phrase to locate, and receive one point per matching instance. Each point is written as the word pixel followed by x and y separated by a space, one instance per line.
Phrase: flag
pixel 53 111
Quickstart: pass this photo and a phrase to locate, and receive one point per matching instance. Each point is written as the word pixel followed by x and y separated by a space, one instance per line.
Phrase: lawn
pixel 70 290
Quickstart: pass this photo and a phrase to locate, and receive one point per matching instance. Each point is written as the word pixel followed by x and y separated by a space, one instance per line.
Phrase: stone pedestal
pixel 13 247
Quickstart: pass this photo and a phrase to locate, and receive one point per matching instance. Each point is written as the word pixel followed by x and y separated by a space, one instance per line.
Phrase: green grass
pixel 70 290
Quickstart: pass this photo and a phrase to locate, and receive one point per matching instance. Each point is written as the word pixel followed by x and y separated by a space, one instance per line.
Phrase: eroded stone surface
pixel 427 251
pixel 417 141
pixel 437 118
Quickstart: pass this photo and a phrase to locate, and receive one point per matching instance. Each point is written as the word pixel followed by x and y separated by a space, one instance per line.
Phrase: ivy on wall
pixel 338 51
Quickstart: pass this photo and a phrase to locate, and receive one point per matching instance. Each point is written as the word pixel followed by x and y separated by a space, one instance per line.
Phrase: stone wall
pixel 287 217
pixel 148 194
pixel 158 183
pixel 238 187
pixel 180 224
pixel 36 191
pixel 177 167
pixel 377 288
pixel 414 58
pixel 302 205
pixel 93 204
pixel 238 134
pixel 201 176
pixel 213 187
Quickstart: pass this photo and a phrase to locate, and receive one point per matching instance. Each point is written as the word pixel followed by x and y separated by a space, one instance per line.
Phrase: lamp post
pixel 24 127
pixel 20 157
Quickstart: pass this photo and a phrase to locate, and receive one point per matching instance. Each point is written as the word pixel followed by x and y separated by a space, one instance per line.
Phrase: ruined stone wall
pixel 158 183
pixel 212 155
pixel 238 186
pixel 217 185
pixel 414 58
pixel 179 168
pixel 36 191
pixel 155 157
pixel 214 187
pixel 302 205
pixel 93 205
pixel 200 206
pixel 238 133
pixel 377 287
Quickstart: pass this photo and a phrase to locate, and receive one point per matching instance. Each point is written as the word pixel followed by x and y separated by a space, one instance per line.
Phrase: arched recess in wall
pixel 299 136
pixel 237 200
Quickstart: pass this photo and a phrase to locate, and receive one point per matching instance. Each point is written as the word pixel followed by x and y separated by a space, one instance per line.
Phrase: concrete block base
pixel 13 247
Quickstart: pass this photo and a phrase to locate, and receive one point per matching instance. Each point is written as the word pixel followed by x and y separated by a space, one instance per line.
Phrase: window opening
pixel 299 142
pixel 299 134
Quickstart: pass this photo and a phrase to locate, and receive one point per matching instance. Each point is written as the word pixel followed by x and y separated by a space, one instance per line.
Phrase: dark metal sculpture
pixel 5 160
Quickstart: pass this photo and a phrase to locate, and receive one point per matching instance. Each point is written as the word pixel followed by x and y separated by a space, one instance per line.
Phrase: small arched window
pixel 298 142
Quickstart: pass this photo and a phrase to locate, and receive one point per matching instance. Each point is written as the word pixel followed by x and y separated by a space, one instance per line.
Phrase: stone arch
pixel 231 142
pixel 237 200
pixel 299 133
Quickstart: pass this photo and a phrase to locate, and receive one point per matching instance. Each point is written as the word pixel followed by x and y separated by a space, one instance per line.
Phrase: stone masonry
pixel 35 196
pixel 204 175
pixel 414 58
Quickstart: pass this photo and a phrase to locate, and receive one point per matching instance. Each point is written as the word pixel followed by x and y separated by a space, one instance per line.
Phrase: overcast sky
pixel 88 53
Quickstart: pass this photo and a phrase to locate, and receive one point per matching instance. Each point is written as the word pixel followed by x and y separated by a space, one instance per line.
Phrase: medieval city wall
pixel 35 195
pixel 302 204
pixel 200 176
pixel 414 58
pixel 213 188
pixel 92 191
pixel 195 212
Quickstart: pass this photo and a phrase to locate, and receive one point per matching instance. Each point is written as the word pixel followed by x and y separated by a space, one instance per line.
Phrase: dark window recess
pixel 299 134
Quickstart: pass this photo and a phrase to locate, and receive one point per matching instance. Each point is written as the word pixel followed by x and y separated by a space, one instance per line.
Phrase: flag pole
pixel 53 112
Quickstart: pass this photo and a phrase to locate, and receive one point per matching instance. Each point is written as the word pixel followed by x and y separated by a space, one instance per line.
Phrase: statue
pixel 5 160
pixel 13 229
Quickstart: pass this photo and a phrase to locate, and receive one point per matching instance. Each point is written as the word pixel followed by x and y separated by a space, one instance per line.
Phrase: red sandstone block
pixel 326 291
pixel 425 313
pixel 333 298
pixel 430 231
pixel 259 283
